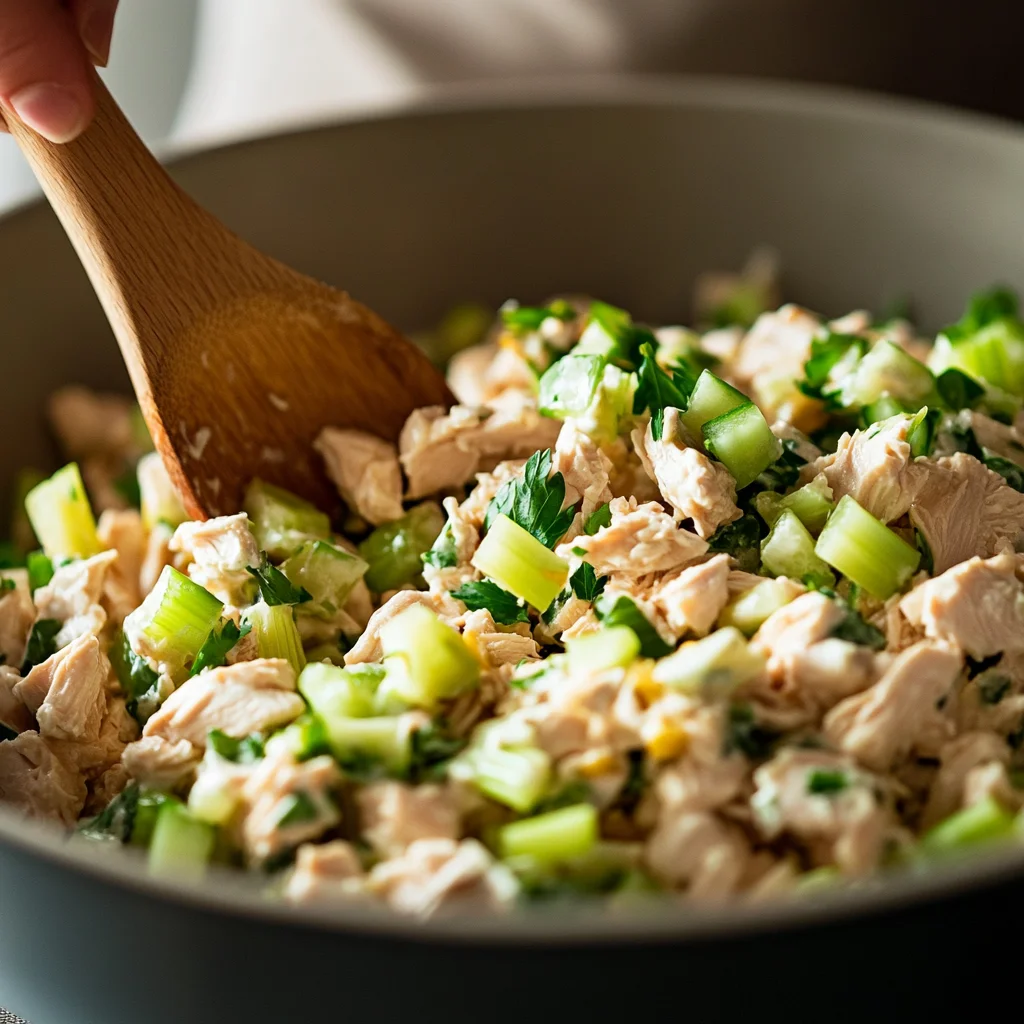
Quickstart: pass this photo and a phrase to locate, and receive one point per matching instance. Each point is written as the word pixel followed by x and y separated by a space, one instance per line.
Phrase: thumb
pixel 44 71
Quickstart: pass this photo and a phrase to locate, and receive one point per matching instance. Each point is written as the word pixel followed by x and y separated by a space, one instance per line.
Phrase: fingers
pixel 95 21
pixel 44 71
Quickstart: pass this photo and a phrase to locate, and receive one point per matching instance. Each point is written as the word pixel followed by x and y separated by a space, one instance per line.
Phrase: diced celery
pixel 326 571
pixel 552 837
pixel 788 550
pixel 61 516
pixel 516 560
pixel 176 617
pixel 612 400
pixel 394 551
pixel 888 370
pixel 609 333
pixel 818 880
pixel 334 692
pixel 304 738
pixel 276 634
pixel 743 442
pixel 427 661
pixel 984 822
pixel 711 397
pixel 567 387
pixel 715 665
pixel 181 845
pixel 517 778
pixel 866 551
pixel 385 738
pixel 811 504
pixel 751 609
pixel 22 535
pixel 994 353
pixel 331 653
pixel 884 408
pixel 147 810
pixel 158 498
pixel 612 647
pixel 212 799
pixel 282 521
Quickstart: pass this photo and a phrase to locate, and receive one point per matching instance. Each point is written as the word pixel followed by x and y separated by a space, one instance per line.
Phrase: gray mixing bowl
pixel 627 192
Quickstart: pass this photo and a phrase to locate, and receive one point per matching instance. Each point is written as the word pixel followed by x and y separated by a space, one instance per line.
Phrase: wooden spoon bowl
pixel 237 360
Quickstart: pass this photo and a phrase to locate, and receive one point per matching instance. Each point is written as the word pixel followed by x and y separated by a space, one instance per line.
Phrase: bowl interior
pixel 625 192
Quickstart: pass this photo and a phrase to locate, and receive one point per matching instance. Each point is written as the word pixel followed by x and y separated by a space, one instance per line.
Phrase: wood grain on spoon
pixel 237 360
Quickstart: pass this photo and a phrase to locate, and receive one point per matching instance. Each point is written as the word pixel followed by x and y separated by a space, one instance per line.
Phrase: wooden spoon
pixel 237 360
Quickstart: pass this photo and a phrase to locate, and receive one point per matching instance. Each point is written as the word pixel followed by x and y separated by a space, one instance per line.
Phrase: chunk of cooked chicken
pixel 394 814
pixel 440 450
pixel 787 633
pixel 37 782
pixel 699 851
pixel 442 874
pixel 640 539
pixel 1004 440
pixel 73 597
pixel 219 552
pixel 992 781
pixel 826 801
pixel 694 486
pixel 901 712
pixel 474 508
pixel 87 423
pixel 122 531
pixel 478 375
pixel 17 613
pixel 691 601
pixel 324 872
pixel 585 468
pixel 157 555
pixel 776 348
pixel 874 466
pixel 67 692
pixel 465 538
pixel 160 763
pixel 977 605
pixel 13 712
pixel 957 759
pixel 365 470
pixel 828 671
pixel 964 509
pixel 288 803
pixel 498 647
pixel 252 696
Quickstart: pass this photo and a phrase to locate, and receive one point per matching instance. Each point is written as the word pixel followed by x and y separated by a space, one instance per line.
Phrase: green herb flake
pixel 116 821
pixel 993 687
pixel 825 782
pixel 40 570
pixel 748 736
pixel 958 390
pixel 621 611
pixel 442 555
pixel 42 643
pixel 826 353
pixel 7 585
pixel 597 519
pixel 431 753
pixel 275 587
pixel 505 608
pixel 139 683
pixel 586 584
pixel 534 501
pixel 656 391
pixel 296 809
pixel 246 750
pixel 216 646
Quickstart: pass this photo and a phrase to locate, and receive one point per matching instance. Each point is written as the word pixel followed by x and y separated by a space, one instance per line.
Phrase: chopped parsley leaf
pixel 656 391
pixel 442 555
pixel 958 390
pixel 826 353
pixel 824 782
pixel 42 643
pixel 1009 471
pixel 784 472
pixel 573 792
pixel 983 308
pixel 621 611
pixel 7 585
pixel 745 734
pixel 742 540
pixel 139 683
pixel 216 646
pixel 504 607
pixel 247 750
pixel 40 570
pixel 117 820
pixel 534 501
pixel 597 519
pixel 529 318
pixel 275 587
pixel 297 809
pixel 431 753
pixel 586 584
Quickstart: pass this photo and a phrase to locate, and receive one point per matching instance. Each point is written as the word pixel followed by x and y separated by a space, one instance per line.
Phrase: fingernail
pixel 97 31
pixel 53 110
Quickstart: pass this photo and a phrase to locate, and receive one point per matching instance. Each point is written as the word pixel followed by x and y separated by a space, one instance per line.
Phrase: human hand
pixel 46 48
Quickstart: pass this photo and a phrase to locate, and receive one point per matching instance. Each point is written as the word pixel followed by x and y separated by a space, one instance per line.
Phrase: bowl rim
pixel 232 893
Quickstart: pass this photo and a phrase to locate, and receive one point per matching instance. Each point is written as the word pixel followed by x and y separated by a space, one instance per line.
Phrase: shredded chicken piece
pixel 977 605
pixel 786 634
pixel 17 613
pixel 691 601
pixel 325 872
pixel 73 597
pixel 640 539
pixel 158 554
pixel 219 553
pixel 901 712
pixel 436 874
pixel 585 468
pixel 395 814
pixel 34 780
pixel 123 532
pixel 958 758
pixel 249 697
pixel 698 850
pixel 826 801
pixel 694 486
pixel 159 763
pixel 365 470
